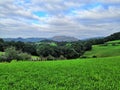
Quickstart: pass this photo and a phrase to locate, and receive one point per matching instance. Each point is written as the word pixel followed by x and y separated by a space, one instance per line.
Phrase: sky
pixel 47 18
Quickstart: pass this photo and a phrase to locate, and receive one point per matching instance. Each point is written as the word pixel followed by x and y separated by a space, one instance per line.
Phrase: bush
pixel 3 58
pixel 36 58
pixel 94 56
pixel 83 56
pixel 43 58
pixel 50 57
pixel 113 44
pixel 62 57
pixel 24 56
pixel 11 53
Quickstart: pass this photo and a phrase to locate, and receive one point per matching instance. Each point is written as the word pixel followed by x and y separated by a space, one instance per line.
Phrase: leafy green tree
pixel 1 44
pixel 50 57
pixel 29 48
pixel 3 58
pixel 62 57
pixel 11 53
pixel 87 46
pixel 24 56
pixel 45 50
pixel 69 53
pixel 78 47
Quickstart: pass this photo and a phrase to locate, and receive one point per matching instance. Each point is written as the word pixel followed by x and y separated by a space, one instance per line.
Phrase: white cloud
pixel 99 13
pixel 64 17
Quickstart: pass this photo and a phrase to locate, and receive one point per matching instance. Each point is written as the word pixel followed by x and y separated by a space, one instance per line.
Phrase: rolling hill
pixel 55 38
pixel 111 48
pixel 24 39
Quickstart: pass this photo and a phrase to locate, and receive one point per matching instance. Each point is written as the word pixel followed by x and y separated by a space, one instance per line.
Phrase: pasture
pixel 78 74
pixel 108 49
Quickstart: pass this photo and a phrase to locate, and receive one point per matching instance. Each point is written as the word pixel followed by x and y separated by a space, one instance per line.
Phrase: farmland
pixel 79 74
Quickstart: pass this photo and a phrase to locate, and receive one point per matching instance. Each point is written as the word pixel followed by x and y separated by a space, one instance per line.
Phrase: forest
pixel 49 50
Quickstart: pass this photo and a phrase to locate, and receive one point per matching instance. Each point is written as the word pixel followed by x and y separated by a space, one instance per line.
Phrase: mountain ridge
pixel 64 38
pixel 32 39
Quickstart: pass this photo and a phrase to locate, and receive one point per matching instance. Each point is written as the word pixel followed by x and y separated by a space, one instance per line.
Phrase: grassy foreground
pixel 83 74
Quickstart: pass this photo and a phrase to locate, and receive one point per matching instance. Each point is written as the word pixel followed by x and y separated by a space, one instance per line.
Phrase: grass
pixel 115 41
pixel 111 48
pixel 103 51
pixel 2 53
pixel 79 74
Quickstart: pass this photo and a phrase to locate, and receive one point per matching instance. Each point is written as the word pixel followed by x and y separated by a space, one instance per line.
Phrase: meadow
pixel 78 74
pixel 1 53
pixel 109 49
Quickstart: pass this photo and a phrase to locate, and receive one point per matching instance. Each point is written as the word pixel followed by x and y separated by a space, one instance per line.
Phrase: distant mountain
pixel 24 39
pixel 64 38
pixel 55 38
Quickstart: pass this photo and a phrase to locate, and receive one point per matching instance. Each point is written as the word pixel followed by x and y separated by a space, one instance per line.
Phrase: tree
pixel 24 56
pixel 45 50
pixel 62 57
pixel 78 47
pixel 69 53
pixel 29 48
pixel 1 44
pixel 1 40
pixel 11 53
pixel 87 46
pixel 114 36
pixel 50 57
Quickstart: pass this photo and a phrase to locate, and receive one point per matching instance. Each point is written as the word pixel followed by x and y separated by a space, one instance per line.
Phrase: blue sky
pixel 48 18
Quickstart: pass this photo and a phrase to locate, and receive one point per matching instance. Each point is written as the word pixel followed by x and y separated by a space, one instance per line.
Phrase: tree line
pixel 51 50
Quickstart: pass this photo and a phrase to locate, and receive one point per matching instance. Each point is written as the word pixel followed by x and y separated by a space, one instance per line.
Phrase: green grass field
pixel 107 50
pixel 115 41
pixel 1 53
pixel 79 74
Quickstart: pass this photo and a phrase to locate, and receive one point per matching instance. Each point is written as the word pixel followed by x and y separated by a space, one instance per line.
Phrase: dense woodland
pixel 49 50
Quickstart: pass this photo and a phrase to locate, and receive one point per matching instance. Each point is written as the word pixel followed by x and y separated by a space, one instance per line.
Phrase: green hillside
pixel 1 53
pixel 115 41
pixel 79 74
pixel 108 49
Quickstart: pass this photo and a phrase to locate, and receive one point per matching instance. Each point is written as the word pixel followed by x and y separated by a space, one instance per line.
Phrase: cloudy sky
pixel 47 18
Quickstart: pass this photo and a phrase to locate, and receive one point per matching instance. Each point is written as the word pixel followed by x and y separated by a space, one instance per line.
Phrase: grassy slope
pixel 105 51
pixel 116 41
pixel 88 74
pixel 1 53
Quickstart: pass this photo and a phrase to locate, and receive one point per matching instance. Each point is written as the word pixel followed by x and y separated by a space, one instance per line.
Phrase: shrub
pixel 113 44
pixel 11 53
pixel 3 58
pixel 94 56
pixel 50 57
pixel 83 56
pixel 43 58
pixel 62 57
pixel 36 59
pixel 24 56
